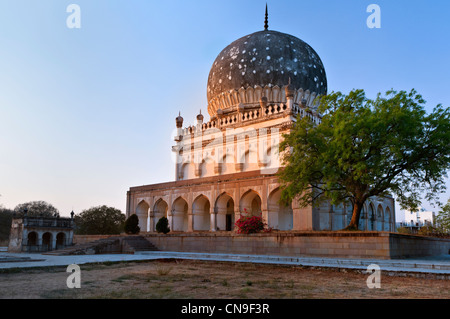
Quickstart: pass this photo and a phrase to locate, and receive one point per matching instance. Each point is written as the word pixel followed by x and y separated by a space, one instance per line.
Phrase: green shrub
pixel 404 230
pixel 162 226
pixel 132 225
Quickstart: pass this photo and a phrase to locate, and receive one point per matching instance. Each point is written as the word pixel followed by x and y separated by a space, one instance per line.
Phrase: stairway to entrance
pixel 112 245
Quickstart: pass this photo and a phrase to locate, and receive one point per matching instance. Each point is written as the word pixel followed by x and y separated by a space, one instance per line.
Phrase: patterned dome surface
pixel 267 58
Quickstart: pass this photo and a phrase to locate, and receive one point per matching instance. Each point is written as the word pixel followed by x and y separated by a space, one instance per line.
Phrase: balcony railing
pixel 48 222
pixel 418 224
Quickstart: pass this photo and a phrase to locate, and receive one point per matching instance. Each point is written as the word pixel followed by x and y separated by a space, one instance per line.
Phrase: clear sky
pixel 87 113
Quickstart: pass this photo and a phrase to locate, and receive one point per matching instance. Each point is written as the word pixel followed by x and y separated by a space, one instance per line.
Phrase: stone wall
pixel 15 237
pixel 84 239
pixel 380 245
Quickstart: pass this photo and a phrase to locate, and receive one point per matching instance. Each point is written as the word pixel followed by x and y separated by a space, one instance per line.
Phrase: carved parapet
pixel 252 97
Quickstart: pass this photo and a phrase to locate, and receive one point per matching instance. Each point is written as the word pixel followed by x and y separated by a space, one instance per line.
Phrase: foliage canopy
pixel 36 209
pixel 100 220
pixel 364 148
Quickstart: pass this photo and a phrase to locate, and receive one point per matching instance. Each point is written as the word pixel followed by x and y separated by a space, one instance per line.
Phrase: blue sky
pixel 86 113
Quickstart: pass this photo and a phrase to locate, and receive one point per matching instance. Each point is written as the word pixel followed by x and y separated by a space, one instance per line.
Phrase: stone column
pixel 152 221
pixel 237 213
pixel 190 219
pixel 213 224
pixel 265 216
pixel 53 243
pixel 303 218
pixel 170 218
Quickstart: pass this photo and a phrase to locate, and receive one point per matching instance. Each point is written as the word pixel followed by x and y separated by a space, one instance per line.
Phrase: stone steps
pixel 84 249
pixel 126 245
pixel 132 244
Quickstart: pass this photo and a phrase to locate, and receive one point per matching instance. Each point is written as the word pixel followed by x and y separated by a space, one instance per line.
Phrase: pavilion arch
pixel 32 239
pixel 142 210
pixel 201 213
pixel 180 215
pixel 224 208
pixel 280 215
pixel 250 202
pixel 159 211
pixel 47 238
pixel 60 240
pixel 380 218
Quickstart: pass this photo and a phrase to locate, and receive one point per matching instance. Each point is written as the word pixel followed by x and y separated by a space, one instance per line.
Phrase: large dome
pixel 267 58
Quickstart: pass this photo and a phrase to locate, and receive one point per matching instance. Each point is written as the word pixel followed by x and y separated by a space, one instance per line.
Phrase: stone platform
pixel 379 245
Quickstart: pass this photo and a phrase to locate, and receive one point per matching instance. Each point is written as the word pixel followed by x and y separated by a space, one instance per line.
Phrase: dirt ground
pixel 186 279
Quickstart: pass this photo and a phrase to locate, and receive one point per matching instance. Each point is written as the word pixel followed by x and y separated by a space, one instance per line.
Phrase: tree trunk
pixel 357 208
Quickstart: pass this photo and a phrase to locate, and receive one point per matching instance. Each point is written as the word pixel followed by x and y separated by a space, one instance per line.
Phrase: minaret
pixel 199 119
pixel 289 90
pixel 179 122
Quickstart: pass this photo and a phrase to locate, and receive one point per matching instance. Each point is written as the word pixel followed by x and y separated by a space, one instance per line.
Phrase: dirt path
pixel 212 280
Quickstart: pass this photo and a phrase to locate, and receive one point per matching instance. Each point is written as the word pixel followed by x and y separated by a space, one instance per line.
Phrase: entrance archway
pixel 47 241
pixel 180 215
pixel 159 211
pixel 225 212
pixel 250 204
pixel 60 240
pixel 142 214
pixel 280 216
pixel 201 213
pixel 32 239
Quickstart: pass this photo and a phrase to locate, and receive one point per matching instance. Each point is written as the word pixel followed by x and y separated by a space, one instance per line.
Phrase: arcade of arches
pixel 194 205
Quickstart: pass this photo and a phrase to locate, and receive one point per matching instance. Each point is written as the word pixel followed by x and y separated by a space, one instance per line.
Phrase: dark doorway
pixel 60 240
pixel 46 242
pixel 228 222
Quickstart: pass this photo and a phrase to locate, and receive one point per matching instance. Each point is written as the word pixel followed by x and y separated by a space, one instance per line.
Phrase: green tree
pixel 36 209
pixel 5 224
pixel 100 220
pixel 442 222
pixel 364 148
pixel 132 225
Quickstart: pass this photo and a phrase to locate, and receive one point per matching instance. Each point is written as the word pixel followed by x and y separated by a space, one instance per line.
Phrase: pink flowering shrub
pixel 250 224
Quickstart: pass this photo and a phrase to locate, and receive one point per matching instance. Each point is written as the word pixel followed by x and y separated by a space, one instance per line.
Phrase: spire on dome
pixel 266 21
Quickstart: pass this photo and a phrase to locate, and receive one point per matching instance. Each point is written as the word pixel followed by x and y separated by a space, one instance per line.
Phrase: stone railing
pixel 252 96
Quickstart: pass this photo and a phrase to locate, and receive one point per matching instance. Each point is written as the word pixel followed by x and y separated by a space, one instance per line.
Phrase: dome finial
pixel 266 21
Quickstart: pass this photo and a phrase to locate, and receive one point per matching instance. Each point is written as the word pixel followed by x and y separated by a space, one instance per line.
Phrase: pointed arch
pixel 388 219
pixel 187 171
pixel 201 213
pixel 380 218
pixel 160 210
pixel 280 215
pixel 142 210
pixel 250 203
pixel 224 207
pixel 180 214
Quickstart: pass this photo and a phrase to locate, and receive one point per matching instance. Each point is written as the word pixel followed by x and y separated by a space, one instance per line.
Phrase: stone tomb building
pixel 40 234
pixel 227 166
